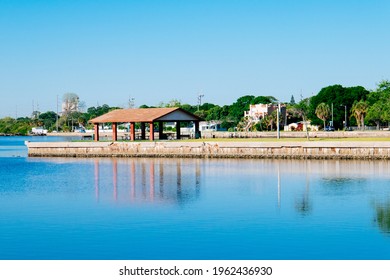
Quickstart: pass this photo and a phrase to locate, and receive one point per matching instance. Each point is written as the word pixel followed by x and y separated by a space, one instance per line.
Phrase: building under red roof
pixel 145 116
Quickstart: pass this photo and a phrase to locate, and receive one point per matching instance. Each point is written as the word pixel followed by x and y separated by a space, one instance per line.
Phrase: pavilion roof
pixel 146 115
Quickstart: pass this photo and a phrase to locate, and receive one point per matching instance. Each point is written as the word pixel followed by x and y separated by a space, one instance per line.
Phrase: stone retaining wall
pixel 291 150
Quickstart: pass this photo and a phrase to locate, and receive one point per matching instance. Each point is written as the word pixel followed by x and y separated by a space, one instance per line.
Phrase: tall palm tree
pixel 323 112
pixel 359 110
pixel 300 110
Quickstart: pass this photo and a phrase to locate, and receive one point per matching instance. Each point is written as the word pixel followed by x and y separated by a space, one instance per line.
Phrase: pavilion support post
pixel 178 134
pixel 160 130
pixel 143 131
pixel 197 134
pixel 114 131
pixel 132 131
pixel 151 131
pixel 96 131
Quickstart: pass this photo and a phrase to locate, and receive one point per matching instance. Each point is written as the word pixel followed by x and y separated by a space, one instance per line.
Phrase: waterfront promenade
pixel 280 149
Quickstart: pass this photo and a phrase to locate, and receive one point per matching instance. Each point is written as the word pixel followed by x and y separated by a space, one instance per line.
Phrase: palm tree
pixel 323 112
pixel 300 110
pixel 359 110
pixel 271 119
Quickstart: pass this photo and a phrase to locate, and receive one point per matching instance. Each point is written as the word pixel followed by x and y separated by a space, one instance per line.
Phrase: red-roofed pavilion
pixel 145 116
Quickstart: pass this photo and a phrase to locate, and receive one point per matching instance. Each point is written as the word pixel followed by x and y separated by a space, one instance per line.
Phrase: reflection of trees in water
pixel 383 217
pixel 342 181
pixel 303 204
pixel 343 186
pixel 338 181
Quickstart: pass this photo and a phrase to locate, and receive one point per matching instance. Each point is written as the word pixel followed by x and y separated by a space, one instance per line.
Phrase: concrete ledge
pixel 290 150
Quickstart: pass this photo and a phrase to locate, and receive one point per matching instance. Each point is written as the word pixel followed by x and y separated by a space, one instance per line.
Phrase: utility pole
pixel 277 120
pixel 200 100
pixel 131 102
pixel 57 115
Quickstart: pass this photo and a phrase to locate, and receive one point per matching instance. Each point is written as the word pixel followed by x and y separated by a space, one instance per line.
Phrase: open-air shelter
pixel 145 116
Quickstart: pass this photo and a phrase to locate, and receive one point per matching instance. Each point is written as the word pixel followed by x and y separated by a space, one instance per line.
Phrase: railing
pixel 366 127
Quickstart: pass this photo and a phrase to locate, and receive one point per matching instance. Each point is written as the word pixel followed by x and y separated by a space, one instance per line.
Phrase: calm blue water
pixel 191 208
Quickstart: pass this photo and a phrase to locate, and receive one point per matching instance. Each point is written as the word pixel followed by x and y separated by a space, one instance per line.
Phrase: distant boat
pixel 38 131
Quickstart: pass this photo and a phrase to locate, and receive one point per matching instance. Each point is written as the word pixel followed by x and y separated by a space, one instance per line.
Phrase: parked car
pixel 329 128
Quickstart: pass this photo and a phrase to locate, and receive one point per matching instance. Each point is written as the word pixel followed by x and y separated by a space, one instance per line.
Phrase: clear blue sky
pixel 106 51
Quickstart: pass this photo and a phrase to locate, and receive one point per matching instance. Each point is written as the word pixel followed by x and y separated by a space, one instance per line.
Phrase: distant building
pixel 38 131
pixel 211 126
pixel 259 111
pixel 301 126
pixel 204 126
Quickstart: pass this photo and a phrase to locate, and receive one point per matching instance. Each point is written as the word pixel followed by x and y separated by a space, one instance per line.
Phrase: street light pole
pixel 332 116
pixel 345 117
pixel 277 120
pixel 57 115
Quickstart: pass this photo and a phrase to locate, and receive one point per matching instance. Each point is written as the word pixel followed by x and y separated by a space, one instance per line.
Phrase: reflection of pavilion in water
pixel 148 180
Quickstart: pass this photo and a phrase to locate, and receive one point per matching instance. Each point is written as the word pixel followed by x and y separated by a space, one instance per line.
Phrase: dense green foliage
pixel 339 96
pixel 379 104
pixel 21 126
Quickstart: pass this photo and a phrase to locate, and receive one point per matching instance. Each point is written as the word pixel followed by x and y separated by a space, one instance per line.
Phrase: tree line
pixel 356 105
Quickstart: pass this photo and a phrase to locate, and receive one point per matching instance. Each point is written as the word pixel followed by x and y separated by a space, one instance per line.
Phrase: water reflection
pixel 279 187
pixel 303 204
pixel 383 217
pixel 96 171
pixel 136 179
pixel 243 209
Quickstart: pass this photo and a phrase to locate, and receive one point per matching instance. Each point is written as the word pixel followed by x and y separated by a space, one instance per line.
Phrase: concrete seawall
pixel 288 149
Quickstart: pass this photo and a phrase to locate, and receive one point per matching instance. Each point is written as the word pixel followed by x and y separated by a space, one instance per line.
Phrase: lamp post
pixel 332 117
pixel 277 121
pixel 345 116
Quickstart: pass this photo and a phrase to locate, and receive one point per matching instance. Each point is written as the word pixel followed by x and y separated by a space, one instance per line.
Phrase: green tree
pixel 379 104
pixel 236 110
pixel 189 108
pixel 49 119
pixel 215 113
pixel 263 100
pixel 20 126
pixel 338 95
pixel 359 110
pixel 323 112
pixel 301 110
pixel 270 120
pixel 292 100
